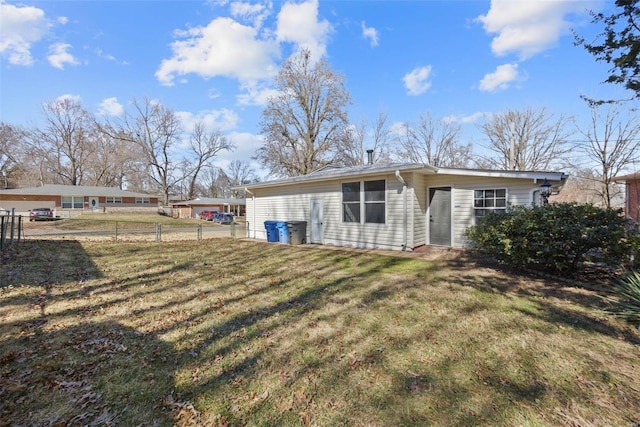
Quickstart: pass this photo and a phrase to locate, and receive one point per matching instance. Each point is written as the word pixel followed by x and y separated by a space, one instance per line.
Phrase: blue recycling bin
pixel 283 232
pixel 272 231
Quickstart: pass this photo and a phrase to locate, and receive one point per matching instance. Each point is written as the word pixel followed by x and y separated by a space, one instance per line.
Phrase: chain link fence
pixel 126 230
pixel 10 230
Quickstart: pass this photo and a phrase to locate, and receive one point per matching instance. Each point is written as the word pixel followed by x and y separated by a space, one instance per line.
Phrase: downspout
pixel 253 197
pixel 404 210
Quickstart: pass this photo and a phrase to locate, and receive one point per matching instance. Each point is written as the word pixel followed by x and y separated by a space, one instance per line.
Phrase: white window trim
pixel 73 202
pixel 473 203
pixel 363 203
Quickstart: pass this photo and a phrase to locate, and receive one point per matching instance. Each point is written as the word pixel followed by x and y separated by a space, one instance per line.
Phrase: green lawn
pixel 233 332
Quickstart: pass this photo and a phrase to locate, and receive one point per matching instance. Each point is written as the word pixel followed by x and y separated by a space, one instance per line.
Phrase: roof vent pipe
pixel 369 156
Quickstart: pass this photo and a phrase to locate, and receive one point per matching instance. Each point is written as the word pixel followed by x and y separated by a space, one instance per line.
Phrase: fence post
pixel 20 230
pixel 233 230
pixel 116 231
pixel 158 233
pixel 2 231
pixel 199 232
pixel 13 224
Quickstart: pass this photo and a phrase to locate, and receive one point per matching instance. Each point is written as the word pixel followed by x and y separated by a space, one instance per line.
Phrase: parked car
pixel 225 218
pixel 207 215
pixel 40 214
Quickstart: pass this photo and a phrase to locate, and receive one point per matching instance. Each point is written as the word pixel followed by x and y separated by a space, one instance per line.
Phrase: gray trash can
pixel 297 232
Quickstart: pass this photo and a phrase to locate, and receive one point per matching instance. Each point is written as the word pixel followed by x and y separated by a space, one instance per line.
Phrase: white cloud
pixel 417 81
pixel 528 27
pixel 72 98
pixel 255 94
pixel 246 146
pixel 466 119
pixel 62 20
pixel 110 107
pixel 370 33
pixel 254 13
pixel 222 120
pixel 500 78
pixel 20 27
pixel 58 55
pixel 222 48
pixel 298 23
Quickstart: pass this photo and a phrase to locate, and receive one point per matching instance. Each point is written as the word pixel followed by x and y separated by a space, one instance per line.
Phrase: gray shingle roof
pixel 329 173
pixel 211 201
pixel 75 190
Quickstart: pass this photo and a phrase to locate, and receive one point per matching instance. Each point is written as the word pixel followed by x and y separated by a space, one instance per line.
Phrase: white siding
pixel 292 202
pixel 419 211
pixel 519 192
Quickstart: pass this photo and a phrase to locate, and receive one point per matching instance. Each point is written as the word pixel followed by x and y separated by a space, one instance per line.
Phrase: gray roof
pixel 211 201
pixel 331 173
pixel 74 190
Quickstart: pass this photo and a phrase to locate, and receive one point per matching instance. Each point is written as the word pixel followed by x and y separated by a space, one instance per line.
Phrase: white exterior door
pixel 315 228
pixel 440 216
pixel 93 204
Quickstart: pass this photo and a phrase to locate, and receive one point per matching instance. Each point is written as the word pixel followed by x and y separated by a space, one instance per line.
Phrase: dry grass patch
pixel 227 332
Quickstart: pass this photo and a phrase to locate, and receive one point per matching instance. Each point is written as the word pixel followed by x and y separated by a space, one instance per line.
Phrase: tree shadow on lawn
pixel 550 294
pixel 40 262
pixel 76 375
pixel 90 374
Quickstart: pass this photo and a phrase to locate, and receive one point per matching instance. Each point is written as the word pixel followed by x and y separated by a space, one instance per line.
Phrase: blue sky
pixel 214 60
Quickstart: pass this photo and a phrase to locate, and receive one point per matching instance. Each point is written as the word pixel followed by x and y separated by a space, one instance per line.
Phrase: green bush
pixel 626 305
pixel 557 238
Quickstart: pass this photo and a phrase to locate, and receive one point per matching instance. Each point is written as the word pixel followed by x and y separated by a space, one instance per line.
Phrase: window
pixel 374 201
pixel 142 200
pixel 114 200
pixel 486 201
pixel 351 202
pixel 72 202
pixel 367 196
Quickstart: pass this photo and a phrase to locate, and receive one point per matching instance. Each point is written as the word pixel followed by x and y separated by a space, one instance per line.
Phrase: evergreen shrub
pixel 556 238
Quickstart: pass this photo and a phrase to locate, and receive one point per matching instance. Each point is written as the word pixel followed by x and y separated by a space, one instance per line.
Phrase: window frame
pixel 494 206
pixel 114 200
pixel 72 202
pixel 143 200
pixel 364 207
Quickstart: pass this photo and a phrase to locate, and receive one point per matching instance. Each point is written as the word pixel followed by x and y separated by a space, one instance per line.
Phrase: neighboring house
pixel 67 199
pixel 391 206
pixel 632 195
pixel 192 208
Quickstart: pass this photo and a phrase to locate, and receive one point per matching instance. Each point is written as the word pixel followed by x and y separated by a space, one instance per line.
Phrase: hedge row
pixel 557 237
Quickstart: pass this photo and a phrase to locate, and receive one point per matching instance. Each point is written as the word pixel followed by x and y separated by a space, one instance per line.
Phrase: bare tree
pixel 305 123
pixel 526 140
pixel 66 143
pixel 240 173
pixel 611 144
pixel 114 161
pixel 12 142
pixel 205 146
pixel 215 183
pixel 359 139
pixel 155 130
pixel 433 142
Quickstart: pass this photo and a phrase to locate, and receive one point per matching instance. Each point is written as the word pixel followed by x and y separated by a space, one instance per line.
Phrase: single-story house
pixel 400 206
pixel 631 195
pixel 68 199
pixel 192 208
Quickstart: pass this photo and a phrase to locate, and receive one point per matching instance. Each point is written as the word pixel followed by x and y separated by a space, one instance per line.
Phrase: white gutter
pixel 253 197
pixel 404 209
